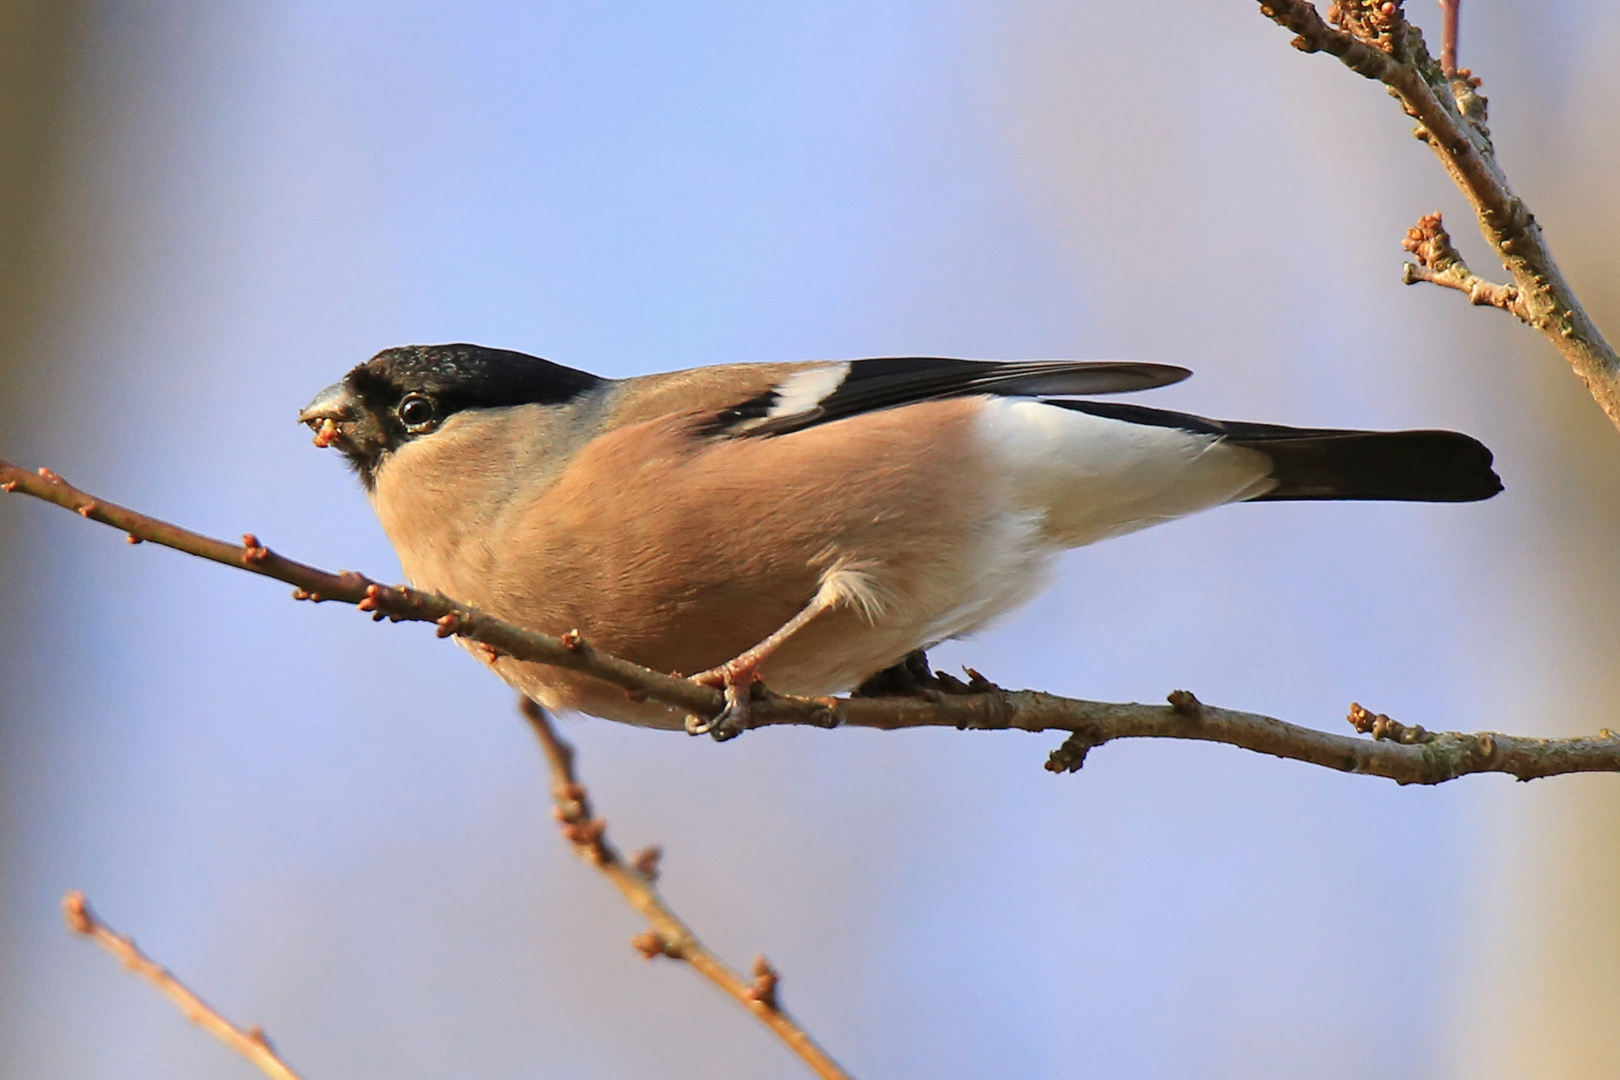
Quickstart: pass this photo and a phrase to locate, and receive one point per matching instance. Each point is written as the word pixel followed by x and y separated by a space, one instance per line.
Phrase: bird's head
pixel 410 392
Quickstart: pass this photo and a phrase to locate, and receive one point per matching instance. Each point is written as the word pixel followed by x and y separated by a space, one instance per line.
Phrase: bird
pixel 808 526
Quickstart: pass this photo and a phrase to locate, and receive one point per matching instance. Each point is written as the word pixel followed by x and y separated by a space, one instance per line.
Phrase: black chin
pixel 362 455
pixel 364 466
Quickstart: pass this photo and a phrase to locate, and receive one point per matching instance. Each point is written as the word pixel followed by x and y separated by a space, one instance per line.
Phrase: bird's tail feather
pixel 1326 463
pixel 1409 466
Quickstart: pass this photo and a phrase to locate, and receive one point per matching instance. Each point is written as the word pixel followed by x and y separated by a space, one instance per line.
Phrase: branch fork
pixel 1374 39
pixel 1437 261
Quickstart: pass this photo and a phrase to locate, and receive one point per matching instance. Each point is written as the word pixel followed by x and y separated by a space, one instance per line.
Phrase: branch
pixel 398 603
pixel 1431 758
pixel 636 879
pixel 1439 262
pixel 1089 724
pixel 1450 27
pixel 1373 38
pixel 251 1044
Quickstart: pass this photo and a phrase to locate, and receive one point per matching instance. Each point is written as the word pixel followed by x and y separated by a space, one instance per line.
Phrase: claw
pixel 740 674
pixel 732 720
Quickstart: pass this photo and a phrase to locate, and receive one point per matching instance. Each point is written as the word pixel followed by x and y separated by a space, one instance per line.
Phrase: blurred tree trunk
pixel 39 46
pixel 1548 1004
pixel 1547 948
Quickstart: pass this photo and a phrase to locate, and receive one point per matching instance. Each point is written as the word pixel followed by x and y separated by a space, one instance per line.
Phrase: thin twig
pixel 399 603
pixel 1374 39
pixel 668 936
pixel 1439 262
pixel 251 1043
pixel 985 707
pixel 1450 23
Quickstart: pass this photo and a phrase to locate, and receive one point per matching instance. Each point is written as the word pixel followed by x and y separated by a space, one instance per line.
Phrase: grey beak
pixel 333 403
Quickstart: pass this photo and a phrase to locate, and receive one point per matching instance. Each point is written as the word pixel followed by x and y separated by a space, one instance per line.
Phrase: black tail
pixel 1323 463
pixel 1411 466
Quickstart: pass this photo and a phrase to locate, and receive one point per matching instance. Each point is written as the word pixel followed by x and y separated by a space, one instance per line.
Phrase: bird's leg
pixel 739 674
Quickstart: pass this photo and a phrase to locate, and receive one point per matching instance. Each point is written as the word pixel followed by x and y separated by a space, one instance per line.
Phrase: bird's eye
pixel 417 413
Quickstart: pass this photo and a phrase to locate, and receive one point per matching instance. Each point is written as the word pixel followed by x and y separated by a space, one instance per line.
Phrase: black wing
pixel 884 383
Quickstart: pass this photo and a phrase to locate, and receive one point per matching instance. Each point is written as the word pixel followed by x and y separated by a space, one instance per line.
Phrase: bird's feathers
pixel 1089 477
pixel 1332 463
pixel 679 519
pixel 823 393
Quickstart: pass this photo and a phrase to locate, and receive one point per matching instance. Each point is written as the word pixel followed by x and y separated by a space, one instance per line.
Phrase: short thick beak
pixel 331 407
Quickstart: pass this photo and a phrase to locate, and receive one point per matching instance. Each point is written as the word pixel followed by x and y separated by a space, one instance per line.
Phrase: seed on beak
pixel 331 407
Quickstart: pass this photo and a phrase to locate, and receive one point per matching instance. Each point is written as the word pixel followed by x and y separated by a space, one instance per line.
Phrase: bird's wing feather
pixel 821 393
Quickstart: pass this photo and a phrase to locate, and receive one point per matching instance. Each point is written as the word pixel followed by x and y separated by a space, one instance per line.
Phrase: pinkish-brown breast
pixel 680 552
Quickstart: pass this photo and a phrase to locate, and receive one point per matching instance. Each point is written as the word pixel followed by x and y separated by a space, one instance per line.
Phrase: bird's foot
pixel 912 677
pixel 738 680
pixel 909 677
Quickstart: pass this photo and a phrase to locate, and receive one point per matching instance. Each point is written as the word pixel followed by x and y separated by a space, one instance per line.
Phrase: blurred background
pixel 341 831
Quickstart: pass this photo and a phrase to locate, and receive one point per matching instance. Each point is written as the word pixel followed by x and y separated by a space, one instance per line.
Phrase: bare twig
pixel 1374 39
pixel 668 936
pixel 251 1044
pixel 1438 261
pixel 399 603
pixel 1450 20
pixel 984 707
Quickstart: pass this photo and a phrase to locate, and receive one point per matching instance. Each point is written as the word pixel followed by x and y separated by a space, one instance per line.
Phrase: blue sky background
pixel 341 831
